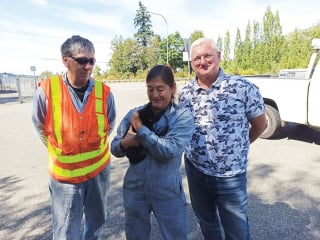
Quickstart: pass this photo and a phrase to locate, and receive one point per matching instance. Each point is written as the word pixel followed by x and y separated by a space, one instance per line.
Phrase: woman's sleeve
pixel 173 143
pixel 121 132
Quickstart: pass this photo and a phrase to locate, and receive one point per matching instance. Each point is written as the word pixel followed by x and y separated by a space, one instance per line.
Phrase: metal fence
pixel 17 88
pixel 22 88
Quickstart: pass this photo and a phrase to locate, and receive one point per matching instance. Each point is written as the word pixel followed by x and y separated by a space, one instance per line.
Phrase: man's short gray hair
pixel 201 41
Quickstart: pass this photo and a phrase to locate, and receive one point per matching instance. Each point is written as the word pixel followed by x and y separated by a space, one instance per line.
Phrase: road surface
pixel 283 180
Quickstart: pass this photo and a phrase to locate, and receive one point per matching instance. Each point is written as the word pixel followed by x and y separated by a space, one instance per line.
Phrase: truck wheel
pixel 274 122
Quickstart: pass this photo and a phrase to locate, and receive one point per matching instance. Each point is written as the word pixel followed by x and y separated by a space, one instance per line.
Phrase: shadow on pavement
pixel 299 132
pixel 22 220
pixel 280 220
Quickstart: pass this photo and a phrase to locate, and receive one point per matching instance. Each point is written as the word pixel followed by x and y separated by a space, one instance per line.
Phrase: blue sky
pixel 32 31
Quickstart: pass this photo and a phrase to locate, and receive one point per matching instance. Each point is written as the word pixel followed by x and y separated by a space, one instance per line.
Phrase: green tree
pixel 263 50
pixel 155 51
pixel 272 40
pixel 247 49
pixel 144 34
pixel 46 74
pixel 176 47
pixel 220 43
pixel 163 50
pixel 196 35
pixel 298 50
pixel 257 49
pixel 315 31
pixel 96 71
pixel 125 60
pixel 237 53
pixel 226 59
pixel 143 23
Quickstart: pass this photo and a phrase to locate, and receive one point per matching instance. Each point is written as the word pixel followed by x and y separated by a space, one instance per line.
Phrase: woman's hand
pixel 136 122
pixel 129 140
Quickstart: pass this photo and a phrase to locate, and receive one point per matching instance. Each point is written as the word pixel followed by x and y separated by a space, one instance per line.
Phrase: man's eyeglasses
pixel 84 61
pixel 206 57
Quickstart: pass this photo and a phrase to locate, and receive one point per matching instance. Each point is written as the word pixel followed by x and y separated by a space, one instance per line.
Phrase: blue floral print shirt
pixel 220 144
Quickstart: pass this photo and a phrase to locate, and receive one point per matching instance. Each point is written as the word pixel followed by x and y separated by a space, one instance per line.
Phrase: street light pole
pixel 165 20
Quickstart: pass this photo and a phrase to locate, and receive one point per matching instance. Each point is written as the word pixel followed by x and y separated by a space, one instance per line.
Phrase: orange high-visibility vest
pixel 78 143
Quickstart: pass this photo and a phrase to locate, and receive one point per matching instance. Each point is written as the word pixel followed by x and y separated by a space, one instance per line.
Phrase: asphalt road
pixel 283 179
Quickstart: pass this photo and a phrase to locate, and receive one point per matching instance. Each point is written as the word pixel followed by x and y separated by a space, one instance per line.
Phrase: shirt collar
pixel 65 80
pixel 215 85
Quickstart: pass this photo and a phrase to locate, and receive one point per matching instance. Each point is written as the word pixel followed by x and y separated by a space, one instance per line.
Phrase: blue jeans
pixel 220 204
pixel 69 202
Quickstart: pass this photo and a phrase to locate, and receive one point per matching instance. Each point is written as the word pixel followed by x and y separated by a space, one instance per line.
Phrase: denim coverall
pixel 155 184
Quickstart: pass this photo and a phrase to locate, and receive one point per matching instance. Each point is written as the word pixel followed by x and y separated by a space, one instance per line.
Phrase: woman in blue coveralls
pixel 153 137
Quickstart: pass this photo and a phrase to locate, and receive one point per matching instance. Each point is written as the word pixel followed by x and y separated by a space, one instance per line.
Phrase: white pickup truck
pixel 294 100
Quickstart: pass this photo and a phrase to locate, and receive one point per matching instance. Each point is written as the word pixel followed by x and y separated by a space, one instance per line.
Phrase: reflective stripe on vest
pixel 83 166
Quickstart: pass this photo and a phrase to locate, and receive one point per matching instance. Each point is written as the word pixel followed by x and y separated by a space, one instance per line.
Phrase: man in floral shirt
pixel 229 114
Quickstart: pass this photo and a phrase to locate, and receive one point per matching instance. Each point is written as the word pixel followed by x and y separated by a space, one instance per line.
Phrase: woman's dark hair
pixel 162 71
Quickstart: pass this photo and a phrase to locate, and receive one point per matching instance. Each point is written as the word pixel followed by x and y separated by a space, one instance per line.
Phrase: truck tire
pixel 274 122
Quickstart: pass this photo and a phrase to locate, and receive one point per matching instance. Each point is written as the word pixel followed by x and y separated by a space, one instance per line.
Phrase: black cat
pixel 148 118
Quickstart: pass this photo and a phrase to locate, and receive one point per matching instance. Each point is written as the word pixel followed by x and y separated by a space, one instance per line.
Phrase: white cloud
pixel 83 17
pixel 40 2
pixel 32 33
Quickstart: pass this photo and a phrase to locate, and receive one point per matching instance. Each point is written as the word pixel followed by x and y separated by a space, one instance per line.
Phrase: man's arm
pixel 258 125
pixel 111 114
pixel 39 114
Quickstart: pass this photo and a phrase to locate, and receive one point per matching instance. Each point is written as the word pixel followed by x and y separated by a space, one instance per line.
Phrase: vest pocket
pixel 94 141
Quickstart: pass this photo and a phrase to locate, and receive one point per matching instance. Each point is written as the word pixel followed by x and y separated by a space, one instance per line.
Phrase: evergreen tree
pixel 238 47
pixel 226 59
pixel 272 40
pixel 220 43
pixel 143 23
pixel 257 49
pixel 247 48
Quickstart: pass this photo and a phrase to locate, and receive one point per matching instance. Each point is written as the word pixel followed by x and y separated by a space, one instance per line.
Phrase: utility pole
pixel 187 54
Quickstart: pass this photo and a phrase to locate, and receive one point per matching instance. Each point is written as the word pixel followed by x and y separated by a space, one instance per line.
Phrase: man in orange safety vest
pixel 73 115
